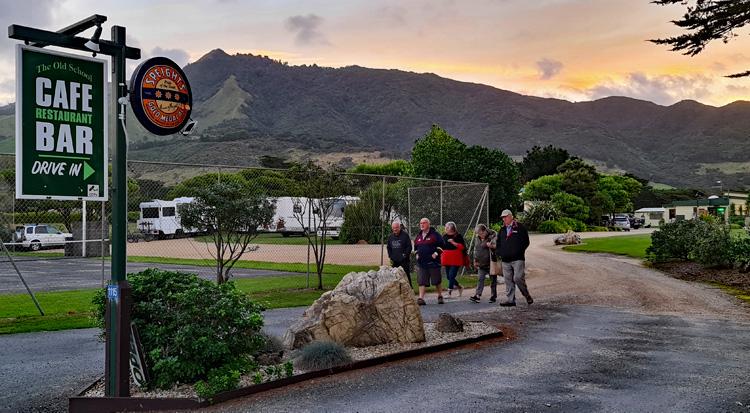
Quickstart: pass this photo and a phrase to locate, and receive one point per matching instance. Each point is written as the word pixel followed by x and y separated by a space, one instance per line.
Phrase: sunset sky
pixel 569 49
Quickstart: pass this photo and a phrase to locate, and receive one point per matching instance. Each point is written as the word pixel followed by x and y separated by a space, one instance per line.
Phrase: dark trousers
pixel 406 265
pixel 451 272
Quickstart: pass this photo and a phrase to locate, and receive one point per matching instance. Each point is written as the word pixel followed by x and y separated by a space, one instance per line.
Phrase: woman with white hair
pixel 452 258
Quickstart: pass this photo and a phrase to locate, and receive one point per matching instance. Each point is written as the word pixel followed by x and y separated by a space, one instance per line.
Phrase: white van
pixel 38 236
pixel 162 218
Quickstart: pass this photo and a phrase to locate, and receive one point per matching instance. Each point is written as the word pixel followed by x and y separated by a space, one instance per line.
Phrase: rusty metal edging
pixel 132 404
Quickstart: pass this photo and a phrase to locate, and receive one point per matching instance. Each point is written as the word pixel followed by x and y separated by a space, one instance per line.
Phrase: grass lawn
pixel 276 239
pixel 63 310
pixel 73 309
pixel 630 245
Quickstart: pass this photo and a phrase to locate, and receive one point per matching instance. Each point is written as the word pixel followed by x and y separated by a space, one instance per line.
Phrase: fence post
pixel 382 233
pixel 83 229
pixel 441 202
pixel 408 209
pixel 487 203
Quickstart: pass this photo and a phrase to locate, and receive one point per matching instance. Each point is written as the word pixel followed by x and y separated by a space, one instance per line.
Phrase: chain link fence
pixel 362 209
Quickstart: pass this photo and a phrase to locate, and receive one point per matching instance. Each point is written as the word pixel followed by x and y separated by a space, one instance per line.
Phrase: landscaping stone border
pixel 80 404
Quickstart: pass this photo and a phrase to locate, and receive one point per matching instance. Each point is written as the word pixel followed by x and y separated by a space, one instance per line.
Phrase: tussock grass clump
pixel 320 355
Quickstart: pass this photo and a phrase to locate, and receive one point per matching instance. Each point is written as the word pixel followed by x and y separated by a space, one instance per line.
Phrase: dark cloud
pixel 34 13
pixel 179 56
pixel 306 29
pixel 548 68
pixel 663 90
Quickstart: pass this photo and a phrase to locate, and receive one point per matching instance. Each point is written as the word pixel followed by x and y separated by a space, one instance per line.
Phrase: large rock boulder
pixel 366 308
pixel 569 238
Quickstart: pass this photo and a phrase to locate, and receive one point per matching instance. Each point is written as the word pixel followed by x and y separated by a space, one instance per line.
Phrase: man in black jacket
pixel 512 242
pixel 399 248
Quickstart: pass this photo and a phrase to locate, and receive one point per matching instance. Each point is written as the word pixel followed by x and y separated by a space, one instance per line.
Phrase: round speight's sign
pixel 160 96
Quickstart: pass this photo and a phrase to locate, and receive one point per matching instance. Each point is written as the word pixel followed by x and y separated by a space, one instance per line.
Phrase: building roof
pixel 721 201
pixel 643 210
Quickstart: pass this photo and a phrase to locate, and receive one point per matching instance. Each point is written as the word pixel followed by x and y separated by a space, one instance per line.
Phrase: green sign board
pixel 61 125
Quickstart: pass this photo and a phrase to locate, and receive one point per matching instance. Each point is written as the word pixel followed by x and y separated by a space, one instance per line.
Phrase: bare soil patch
pixel 691 271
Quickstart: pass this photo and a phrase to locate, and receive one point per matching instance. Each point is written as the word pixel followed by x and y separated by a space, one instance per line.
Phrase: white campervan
pixel 162 218
pixel 292 215
pixel 335 219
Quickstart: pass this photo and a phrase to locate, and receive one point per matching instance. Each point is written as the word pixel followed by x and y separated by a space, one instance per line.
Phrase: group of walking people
pixel 435 251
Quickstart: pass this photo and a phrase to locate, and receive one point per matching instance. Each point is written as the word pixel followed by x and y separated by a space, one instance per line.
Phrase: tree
pixel 368 219
pixel 438 155
pixel 706 21
pixel 579 178
pixel 191 186
pixel 543 188
pixel 399 167
pixel 319 196
pixel 542 161
pixel 620 190
pixel 495 168
pixel 571 206
pixel 231 214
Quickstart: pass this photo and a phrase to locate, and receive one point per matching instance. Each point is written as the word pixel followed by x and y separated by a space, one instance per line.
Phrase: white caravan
pixel 292 216
pixel 297 215
pixel 162 218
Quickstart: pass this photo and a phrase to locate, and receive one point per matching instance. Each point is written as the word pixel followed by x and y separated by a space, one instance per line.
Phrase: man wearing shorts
pixel 428 244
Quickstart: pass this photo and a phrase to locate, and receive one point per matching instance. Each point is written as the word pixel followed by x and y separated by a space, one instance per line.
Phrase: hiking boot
pixel 440 299
pixel 420 301
pixel 508 304
pixel 493 299
pixel 529 300
pixel 474 299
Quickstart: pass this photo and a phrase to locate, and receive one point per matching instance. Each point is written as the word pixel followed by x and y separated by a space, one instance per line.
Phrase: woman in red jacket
pixel 452 257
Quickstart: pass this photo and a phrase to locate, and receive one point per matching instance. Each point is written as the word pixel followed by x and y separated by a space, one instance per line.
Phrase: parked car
pixel 622 221
pixel 38 236
pixel 636 222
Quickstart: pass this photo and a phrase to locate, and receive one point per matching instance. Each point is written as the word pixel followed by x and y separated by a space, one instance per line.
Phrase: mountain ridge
pixel 248 106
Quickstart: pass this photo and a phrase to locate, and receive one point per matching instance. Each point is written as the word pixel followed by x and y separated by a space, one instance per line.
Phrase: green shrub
pixel 570 206
pixel 553 227
pixel 735 226
pixel 561 225
pixel 573 224
pixel 595 228
pixel 219 380
pixel 700 241
pixel 712 246
pixel 541 212
pixel 134 216
pixel 6 234
pixel 190 326
pixel 739 253
pixel 737 220
pixel 320 355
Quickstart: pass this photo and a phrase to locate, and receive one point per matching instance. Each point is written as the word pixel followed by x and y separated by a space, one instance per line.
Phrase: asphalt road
pixel 569 358
pixel 55 274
